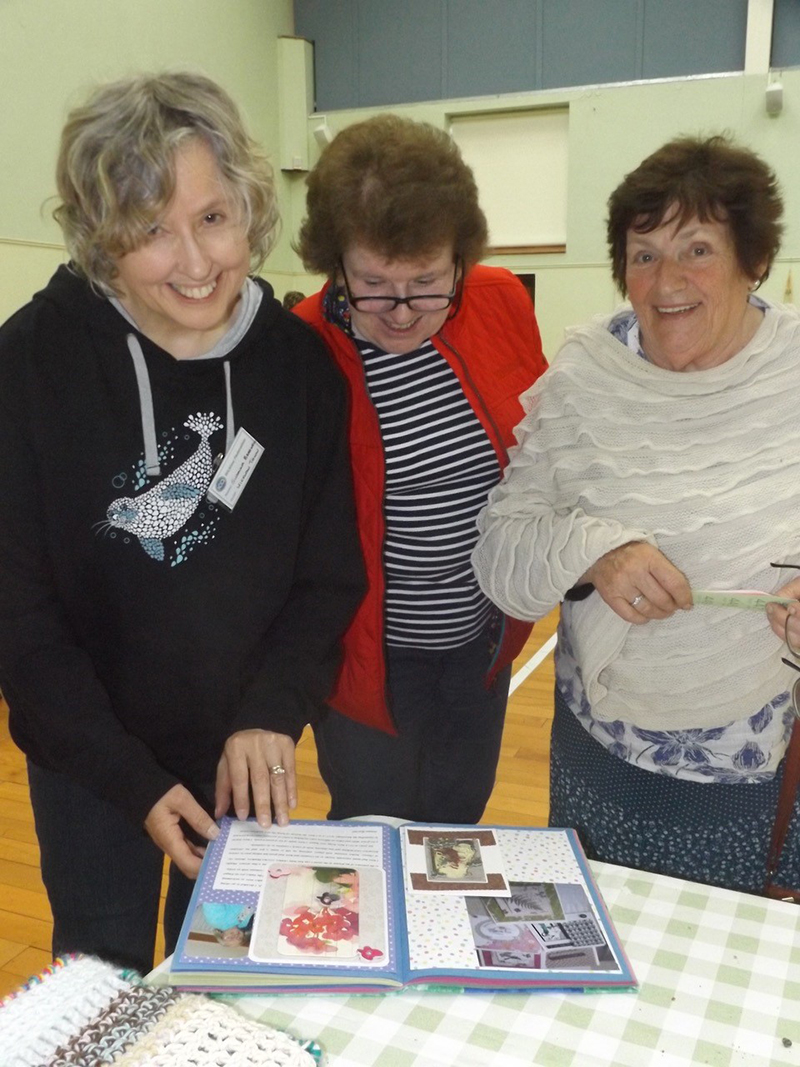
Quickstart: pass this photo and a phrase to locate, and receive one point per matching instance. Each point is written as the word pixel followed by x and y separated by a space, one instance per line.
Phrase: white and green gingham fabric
pixel 719 976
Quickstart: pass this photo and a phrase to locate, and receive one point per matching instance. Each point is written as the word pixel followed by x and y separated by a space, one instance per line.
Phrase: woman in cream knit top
pixel 660 454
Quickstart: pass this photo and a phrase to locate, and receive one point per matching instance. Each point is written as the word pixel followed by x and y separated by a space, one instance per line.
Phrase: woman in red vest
pixel 436 351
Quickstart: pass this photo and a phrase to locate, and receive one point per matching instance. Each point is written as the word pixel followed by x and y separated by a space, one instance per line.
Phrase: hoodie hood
pixel 72 295
pixel 69 294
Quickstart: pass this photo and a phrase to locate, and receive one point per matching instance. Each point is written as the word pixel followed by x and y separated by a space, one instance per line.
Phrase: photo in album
pixel 332 914
pixel 541 926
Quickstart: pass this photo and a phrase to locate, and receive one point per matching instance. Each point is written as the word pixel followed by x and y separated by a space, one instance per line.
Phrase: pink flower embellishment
pixel 370 953
pixel 281 872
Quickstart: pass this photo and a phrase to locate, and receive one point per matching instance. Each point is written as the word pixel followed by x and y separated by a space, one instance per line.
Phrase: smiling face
pixel 182 285
pixel 401 330
pixel 232 937
pixel 689 294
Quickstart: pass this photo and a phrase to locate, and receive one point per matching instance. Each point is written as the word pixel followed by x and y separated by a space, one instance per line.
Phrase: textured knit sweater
pixel 705 465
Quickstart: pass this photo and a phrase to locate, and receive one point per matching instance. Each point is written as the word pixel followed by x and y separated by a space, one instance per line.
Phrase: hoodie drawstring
pixel 228 408
pixel 151 461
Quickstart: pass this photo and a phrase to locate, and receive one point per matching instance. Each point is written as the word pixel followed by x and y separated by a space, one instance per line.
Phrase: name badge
pixel 233 473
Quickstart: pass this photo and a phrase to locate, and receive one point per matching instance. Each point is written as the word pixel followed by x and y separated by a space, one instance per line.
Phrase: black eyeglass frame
pixel 357 302
pixel 793 652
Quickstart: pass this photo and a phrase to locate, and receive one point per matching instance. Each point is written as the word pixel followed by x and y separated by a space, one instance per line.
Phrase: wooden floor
pixel 520 798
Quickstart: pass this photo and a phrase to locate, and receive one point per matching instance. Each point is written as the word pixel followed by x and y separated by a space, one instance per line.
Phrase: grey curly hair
pixel 116 167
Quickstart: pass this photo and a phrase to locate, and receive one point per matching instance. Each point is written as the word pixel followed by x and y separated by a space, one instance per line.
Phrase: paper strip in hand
pixel 738 598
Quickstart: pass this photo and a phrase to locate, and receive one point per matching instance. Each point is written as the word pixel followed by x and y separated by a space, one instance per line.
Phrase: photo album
pixel 364 907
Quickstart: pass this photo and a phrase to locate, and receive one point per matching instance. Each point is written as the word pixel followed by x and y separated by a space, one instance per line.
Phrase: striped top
pixel 440 466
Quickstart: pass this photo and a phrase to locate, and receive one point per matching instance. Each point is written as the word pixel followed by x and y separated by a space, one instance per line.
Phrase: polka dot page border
pixel 439 931
pixel 233 896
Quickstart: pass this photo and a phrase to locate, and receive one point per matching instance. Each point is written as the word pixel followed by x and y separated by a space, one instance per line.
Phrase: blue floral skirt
pixel 704 832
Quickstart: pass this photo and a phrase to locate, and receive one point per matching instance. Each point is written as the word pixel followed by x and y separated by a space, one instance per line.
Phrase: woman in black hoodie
pixel 169 618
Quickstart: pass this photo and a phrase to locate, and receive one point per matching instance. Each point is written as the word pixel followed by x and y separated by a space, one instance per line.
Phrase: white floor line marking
pixel 532 664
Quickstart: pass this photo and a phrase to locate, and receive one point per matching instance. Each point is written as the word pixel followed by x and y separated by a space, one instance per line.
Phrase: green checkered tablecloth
pixel 719 976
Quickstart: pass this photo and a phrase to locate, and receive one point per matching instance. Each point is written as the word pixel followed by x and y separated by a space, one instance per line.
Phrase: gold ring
pixel 277 769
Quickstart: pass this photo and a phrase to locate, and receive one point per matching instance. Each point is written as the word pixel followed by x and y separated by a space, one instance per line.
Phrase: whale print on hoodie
pixel 161 512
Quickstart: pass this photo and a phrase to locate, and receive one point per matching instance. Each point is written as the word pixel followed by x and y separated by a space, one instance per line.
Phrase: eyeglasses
pixel 795 654
pixel 381 304
pixel 791 770
pixel 794 662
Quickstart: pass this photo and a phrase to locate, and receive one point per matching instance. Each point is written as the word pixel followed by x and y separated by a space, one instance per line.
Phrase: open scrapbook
pixel 366 907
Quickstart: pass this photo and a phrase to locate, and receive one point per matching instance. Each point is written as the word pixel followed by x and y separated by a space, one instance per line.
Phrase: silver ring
pixel 277 769
pixel 637 600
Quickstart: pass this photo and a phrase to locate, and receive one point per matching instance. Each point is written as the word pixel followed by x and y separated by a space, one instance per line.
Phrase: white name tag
pixel 233 473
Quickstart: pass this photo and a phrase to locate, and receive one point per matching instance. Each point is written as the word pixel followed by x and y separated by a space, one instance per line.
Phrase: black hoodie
pixel 131 649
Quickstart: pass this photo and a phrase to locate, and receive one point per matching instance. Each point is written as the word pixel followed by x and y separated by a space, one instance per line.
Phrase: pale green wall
pixel 53 51
pixel 611 129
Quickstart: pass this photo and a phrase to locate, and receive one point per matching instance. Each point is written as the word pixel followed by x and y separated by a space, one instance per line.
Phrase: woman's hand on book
pixel 262 763
pixel 163 825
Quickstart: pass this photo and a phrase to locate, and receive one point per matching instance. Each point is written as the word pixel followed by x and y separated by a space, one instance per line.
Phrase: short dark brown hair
pixel 398 187
pixel 711 179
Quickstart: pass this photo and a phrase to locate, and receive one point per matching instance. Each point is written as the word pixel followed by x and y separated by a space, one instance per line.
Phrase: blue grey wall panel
pixel 400 51
pixel 786 34
pixel 384 52
pixel 683 37
pixel 491 47
pixel 587 43
pixel 331 25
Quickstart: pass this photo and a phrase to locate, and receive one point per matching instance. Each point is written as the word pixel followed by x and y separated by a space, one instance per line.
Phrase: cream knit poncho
pixel 705 465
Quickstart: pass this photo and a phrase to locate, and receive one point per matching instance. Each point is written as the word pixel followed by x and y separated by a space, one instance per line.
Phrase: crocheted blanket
pixel 82 1012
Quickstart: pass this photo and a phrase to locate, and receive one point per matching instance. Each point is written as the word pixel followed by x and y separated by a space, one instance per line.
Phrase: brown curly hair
pixel 711 179
pixel 398 187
